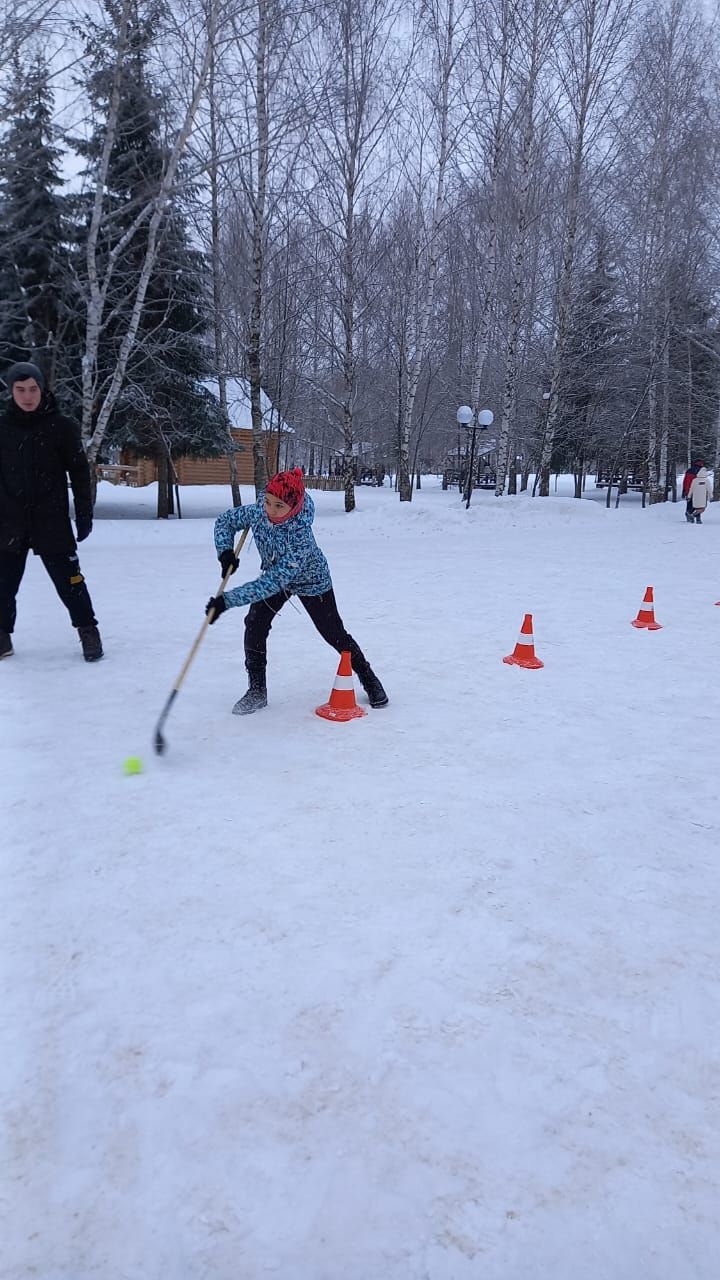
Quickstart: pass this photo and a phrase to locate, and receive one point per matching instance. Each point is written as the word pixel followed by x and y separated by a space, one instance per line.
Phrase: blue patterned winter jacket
pixel 290 558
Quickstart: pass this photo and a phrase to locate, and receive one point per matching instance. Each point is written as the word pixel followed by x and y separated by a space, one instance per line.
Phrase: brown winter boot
pixel 91 643
pixel 377 696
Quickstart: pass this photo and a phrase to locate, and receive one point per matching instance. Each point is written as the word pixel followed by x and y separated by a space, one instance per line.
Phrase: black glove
pixel 84 527
pixel 214 607
pixel 228 560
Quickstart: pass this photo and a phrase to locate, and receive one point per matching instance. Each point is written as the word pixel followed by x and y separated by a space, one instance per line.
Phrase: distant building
pixel 129 469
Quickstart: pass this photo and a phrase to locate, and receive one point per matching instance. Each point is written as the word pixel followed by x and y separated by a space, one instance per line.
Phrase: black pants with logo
pixel 323 611
pixel 67 579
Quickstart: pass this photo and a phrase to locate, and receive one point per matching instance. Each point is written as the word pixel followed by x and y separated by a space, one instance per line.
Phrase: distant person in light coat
pixel 699 495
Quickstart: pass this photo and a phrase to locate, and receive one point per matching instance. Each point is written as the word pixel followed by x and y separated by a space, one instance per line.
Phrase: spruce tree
pixel 37 299
pixel 163 408
pixel 694 366
pixel 591 386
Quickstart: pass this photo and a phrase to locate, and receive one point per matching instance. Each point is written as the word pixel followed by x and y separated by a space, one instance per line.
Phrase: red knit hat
pixel 289 487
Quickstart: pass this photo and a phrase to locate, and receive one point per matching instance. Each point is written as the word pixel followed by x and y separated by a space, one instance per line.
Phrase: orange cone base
pixel 328 712
pixel 533 664
pixel 647 626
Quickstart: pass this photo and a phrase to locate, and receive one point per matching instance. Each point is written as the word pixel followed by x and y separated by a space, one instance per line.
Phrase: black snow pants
pixel 323 611
pixel 64 570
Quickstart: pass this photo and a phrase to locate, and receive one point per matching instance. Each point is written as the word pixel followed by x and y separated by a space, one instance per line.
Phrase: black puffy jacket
pixel 38 452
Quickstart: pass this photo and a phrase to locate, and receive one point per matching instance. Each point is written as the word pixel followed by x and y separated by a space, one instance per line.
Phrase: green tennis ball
pixel 133 764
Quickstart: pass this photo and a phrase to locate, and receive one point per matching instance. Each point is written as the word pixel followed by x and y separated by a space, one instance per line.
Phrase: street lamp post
pixel 484 419
pixel 464 417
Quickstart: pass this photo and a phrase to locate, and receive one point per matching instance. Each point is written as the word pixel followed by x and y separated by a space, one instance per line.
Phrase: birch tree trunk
pixel 716 462
pixel 662 488
pixel 652 424
pixel 348 318
pixel 507 420
pixel 216 267
pixel 354 110
pixel 258 201
pixel 595 36
pixel 417 344
pixel 155 211
pixel 563 314
pixel 488 278
pixel 97 288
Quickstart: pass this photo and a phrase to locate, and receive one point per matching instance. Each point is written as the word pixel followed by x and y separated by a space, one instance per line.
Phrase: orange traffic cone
pixel 342 704
pixel 646 614
pixel 523 655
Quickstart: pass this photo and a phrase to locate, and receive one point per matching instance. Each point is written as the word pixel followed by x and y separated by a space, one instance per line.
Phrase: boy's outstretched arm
pixel 230 523
pixel 270 581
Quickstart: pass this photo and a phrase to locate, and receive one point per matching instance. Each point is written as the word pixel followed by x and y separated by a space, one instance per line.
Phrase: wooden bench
pixel 618 480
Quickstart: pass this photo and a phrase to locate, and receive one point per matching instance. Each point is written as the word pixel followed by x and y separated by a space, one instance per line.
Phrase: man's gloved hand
pixel 228 560
pixel 84 527
pixel 214 607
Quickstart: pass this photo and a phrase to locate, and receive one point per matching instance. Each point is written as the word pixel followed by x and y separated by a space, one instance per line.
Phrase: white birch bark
pixel 97 287
pixel 597 30
pixel 539 39
pixel 716 462
pixel 424 305
pixel 499 47
pixel 354 111
pixel 216 269
pixel 259 197
pixel 516 303
pixel 154 213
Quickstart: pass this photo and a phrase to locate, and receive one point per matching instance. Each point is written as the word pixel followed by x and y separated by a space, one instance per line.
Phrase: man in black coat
pixel 39 450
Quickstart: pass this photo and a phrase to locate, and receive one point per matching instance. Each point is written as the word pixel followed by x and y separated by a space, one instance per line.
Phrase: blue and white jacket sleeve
pixel 276 578
pixel 230 523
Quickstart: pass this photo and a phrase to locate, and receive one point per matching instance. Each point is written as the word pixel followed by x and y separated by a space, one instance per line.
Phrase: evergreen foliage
pixel 38 301
pixel 590 408
pixel 163 403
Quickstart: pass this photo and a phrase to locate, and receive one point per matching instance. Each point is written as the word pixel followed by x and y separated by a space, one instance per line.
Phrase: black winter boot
pixel 377 696
pixel 256 697
pixel 6 649
pixel 91 643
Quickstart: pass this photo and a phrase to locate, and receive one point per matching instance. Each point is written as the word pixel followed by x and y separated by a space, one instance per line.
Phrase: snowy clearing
pixel 432 995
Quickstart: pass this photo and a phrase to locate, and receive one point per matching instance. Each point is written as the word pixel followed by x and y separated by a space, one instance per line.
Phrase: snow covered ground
pixel 432 995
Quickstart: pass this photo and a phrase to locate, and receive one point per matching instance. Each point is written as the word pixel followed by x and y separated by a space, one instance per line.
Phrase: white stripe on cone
pixel 343 682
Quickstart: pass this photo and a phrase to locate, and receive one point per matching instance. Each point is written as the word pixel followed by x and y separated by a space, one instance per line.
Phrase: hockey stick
pixel 160 743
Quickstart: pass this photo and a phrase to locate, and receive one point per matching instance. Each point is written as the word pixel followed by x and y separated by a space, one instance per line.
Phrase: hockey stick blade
pixel 160 743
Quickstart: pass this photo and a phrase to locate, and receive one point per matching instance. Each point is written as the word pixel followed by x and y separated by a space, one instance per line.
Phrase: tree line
pixel 374 210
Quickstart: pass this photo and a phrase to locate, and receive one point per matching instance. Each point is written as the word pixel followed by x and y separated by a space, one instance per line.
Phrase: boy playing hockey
pixel 291 564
